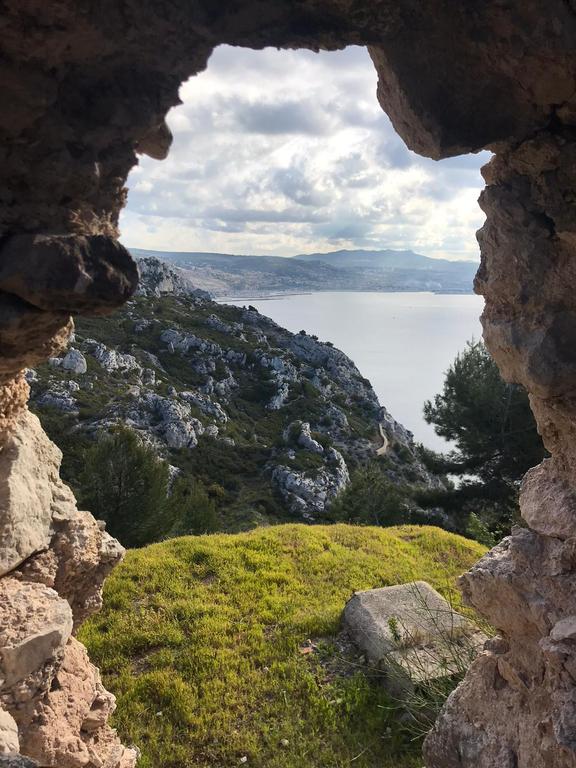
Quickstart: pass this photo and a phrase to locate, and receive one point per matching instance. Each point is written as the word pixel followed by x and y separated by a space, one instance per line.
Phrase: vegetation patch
pixel 205 641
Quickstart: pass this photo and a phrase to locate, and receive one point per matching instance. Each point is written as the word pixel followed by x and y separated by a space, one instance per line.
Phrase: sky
pixel 288 152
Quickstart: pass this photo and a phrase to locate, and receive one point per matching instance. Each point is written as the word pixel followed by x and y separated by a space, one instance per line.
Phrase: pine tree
pixel 125 484
pixel 496 440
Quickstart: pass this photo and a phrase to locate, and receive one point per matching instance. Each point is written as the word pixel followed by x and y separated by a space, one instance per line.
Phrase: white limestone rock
pixel 36 625
pixel 74 361
pixel 29 490
pixel 9 742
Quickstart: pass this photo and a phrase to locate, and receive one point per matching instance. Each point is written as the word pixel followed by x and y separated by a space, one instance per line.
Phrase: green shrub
pixel 125 484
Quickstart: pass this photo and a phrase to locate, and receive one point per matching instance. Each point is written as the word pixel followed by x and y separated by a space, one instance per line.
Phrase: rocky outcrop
pixel 53 559
pixel 208 370
pixel 525 586
pixel 310 493
pixel 84 89
pixel 157 278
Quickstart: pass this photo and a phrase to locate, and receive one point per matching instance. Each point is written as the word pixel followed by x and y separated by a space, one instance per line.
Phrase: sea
pixel 402 342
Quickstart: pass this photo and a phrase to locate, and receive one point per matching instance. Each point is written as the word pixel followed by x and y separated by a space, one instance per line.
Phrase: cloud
pixel 285 152
pixel 282 118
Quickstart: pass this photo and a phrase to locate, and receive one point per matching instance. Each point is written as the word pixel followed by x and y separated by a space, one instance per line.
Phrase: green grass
pixel 199 638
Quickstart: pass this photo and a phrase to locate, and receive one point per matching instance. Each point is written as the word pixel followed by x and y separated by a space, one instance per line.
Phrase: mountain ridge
pixel 237 275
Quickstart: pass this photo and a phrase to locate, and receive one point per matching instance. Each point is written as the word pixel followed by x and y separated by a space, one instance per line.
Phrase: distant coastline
pixel 384 271
pixel 266 296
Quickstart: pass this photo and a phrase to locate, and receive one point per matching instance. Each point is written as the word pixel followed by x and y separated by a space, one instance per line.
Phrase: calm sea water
pixel 402 342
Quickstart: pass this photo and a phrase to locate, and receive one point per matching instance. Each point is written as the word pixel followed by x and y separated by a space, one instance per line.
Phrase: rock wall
pixel 517 706
pixel 84 88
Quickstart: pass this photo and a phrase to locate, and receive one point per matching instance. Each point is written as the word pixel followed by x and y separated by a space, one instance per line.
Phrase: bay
pixel 402 342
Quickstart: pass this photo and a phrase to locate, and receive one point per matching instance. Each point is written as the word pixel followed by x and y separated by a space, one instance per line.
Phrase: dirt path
pixel 383 450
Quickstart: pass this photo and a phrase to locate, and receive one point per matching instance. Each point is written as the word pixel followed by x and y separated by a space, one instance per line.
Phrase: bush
pixel 191 508
pixel 372 499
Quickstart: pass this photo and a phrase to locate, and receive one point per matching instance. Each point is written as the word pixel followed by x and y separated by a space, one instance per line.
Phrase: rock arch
pixel 84 88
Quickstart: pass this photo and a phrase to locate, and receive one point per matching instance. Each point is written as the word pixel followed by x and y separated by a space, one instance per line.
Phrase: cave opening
pixel 281 153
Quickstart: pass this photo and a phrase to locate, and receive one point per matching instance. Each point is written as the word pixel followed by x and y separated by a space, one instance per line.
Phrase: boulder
pixel 111 359
pixel 411 632
pixel 306 441
pixel 74 361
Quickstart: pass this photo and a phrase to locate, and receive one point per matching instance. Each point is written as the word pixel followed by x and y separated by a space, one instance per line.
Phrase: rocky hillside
pixel 225 274
pixel 270 422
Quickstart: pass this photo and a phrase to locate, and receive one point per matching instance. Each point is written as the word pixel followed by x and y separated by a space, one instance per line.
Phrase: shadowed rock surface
pixel 85 87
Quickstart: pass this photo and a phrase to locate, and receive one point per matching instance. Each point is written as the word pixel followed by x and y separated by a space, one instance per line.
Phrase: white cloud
pixel 283 152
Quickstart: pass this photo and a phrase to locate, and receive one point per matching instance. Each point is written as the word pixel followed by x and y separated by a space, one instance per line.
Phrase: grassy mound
pixel 200 638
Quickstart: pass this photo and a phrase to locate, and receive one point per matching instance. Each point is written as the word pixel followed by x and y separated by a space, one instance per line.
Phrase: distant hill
pixel 226 274
pixel 387 259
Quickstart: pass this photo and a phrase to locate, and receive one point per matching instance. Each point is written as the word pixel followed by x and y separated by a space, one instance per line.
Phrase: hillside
pixel 388 260
pixel 270 424
pixel 205 641
pixel 361 270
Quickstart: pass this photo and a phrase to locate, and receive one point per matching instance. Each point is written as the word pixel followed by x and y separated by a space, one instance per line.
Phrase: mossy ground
pixel 199 638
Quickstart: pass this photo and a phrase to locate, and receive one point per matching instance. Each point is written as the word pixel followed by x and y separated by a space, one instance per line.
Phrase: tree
pixel 125 484
pixel 190 507
pixel 372 498
pixel 496 440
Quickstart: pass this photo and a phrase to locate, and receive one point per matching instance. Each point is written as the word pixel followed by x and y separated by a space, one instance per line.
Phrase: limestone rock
pixel 60 398
pixel 36 625
pixel 67 273
pixel 9 742
pixel 17 761
pixel 29 465
pixel 68 726
pixel 381 620
pixel 80 557
pixel 306 441
pixel 548 502
pixel 309 494
pixel 412 634
pixel 453 77
pixel 28 335
pixel 74 361
pixel 111 359
pixel 157 278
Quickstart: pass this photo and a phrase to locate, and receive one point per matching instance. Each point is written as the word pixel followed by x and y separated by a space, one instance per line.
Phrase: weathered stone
pixel 36 624
pixel 407 615
pixel 28 335
pixel 80 557
pixel 74 361
pixel 29 465
pixel 9 743
pixel 548 502
pixel 565 629
pixel 17 761
pixel 67 273
pixel 453 77
pixel 77 709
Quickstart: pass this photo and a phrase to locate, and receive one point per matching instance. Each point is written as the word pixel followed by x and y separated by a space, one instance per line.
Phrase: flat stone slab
pixel 391 620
